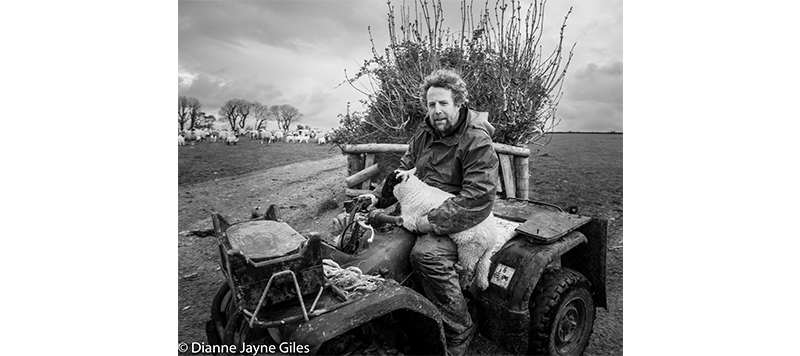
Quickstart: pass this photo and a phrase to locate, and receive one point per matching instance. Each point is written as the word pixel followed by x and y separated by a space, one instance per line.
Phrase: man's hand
pixel 424 226
pixel 371 197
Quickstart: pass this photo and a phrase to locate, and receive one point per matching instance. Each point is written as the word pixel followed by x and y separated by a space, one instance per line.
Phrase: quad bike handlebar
pixel 379 217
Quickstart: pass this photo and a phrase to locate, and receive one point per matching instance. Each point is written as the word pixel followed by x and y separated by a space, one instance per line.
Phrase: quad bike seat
pixel 267 262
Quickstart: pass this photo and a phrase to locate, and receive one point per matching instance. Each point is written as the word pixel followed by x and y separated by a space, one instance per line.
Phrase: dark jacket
pixel 462 163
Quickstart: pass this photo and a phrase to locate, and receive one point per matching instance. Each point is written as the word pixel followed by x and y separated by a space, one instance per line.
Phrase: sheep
pixel 321 140
pixel 201 135
pixel 476 245
pixel 232 139
pixel 290 138
pixel 223 136
pixel 301 138
pixel 181 140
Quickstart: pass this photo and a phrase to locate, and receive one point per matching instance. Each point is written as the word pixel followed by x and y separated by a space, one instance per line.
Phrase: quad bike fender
pixel 503 309
pixel 410 307
pixel 516 268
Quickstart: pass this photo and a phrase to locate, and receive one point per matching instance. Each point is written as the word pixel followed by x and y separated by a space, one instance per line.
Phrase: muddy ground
pixel 306 192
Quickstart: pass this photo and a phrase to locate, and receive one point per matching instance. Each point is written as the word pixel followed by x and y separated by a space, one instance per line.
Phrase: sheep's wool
pixel 476 245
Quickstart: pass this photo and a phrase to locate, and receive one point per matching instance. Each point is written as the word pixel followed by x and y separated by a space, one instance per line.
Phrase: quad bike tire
pixel 237 330
pixel 219 304
pixel 562 314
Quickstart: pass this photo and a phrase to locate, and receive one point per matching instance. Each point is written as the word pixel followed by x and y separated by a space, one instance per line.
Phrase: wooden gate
pixel 361 168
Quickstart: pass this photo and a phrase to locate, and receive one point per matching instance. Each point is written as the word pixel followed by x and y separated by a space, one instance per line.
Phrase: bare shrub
pixel 500 58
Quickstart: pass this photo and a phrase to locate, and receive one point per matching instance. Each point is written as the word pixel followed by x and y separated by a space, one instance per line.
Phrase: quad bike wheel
pixel 562 314
pixel 237 329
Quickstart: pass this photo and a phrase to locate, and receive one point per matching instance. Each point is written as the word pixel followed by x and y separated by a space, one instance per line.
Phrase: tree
pixel 228 112
pixel 500 59
pixel 205 121
pixel 235 111
pixel 285 115
pixel 194 111
pixel 261 114
pixel 188 109
pixel 243 110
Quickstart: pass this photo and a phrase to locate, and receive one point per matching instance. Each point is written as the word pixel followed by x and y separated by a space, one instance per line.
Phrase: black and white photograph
pixel 400 177
pixel 412 177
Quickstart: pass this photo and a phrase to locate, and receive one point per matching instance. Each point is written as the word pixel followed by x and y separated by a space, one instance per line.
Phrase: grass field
pixel 583 170
pixel 206 161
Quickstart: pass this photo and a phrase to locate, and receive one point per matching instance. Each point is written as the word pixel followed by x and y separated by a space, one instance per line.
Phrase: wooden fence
pixel 361 168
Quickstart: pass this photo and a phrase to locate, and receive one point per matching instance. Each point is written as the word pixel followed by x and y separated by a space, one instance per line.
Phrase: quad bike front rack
pixel 258 250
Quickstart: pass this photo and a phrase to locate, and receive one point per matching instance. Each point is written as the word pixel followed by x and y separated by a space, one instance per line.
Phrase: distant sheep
pixel 476 245
pixel 232 139
pixel 301 138
pixel 181 140
pixel 321 140
pixel 223 136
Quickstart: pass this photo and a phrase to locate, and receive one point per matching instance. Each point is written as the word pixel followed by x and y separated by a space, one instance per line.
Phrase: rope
pixel 351 280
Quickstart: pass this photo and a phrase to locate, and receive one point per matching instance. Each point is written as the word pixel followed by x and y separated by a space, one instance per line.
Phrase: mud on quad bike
pixel 545 284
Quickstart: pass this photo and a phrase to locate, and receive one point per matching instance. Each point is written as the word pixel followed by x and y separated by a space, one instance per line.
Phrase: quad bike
pixel 545 284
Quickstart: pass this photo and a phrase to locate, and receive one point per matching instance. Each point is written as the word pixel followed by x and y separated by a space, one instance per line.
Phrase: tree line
pixel 235 113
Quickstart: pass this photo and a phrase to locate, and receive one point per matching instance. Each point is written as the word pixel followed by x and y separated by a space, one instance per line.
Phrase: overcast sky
pixel 296 52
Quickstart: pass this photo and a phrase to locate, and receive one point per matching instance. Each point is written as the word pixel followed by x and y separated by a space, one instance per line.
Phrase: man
pixel 452 150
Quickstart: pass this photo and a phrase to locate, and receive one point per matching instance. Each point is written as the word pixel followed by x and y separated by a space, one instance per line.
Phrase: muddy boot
pixel 461 348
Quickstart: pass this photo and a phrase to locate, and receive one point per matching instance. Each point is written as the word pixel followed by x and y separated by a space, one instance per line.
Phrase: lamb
pixel 302 138
pixel 476 245
pixel 181 140
pixel 232 139
pixel 321 140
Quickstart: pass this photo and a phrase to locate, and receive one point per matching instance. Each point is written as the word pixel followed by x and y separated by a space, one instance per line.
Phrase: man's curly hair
pixel 445 79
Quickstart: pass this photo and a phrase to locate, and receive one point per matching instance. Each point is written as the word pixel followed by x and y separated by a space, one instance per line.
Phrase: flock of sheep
pixel 265 136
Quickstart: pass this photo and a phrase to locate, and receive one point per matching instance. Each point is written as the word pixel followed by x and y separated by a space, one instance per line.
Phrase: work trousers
pixel 433 258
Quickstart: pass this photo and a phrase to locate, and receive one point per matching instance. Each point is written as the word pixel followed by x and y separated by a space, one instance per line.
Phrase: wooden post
pixel 523 177
pixel 497 181
pixel 368 163
pixel 355 192
pixel 354 164
pixel 501 148
pixel 508 176
pixel 376 148
pixel 359 177
pixel 402 148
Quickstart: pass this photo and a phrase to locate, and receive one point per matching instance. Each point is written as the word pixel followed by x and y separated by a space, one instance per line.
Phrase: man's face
pixel 442 113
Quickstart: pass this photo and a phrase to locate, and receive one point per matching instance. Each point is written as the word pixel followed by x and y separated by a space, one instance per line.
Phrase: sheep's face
pixel 394 179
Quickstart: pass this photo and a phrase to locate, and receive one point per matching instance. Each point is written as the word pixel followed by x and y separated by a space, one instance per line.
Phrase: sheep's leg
pixel 485 263
pixel 468 255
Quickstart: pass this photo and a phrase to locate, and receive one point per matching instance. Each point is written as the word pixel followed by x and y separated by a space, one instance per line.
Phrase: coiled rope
pixel 351 280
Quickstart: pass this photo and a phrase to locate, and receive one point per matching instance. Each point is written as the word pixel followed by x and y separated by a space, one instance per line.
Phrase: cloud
pixel 213 92
pixel 305 27
pixel 592 99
